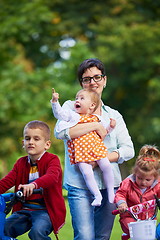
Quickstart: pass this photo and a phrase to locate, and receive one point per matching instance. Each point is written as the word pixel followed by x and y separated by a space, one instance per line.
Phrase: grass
pixel 66 233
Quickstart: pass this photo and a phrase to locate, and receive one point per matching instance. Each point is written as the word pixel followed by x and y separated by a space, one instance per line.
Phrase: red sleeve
pixel 49 170
pixel 16 176
pixel 158 189
pixel 122 191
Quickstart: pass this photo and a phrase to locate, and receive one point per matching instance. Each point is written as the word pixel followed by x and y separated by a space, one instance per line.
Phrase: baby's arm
pixel 59 112
pixel 111 126
pixel 55 96
pixel 112 123
pixel 108 125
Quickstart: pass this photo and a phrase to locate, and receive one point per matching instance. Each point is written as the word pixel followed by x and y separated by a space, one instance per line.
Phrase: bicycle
pixel 7 200
pixel 141 229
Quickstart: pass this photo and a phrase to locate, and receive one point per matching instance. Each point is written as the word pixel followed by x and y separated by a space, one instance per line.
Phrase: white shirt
pixel 118 140
pixel 70 118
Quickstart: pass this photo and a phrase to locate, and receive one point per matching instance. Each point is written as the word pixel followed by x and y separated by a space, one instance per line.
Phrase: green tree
pixel 42 43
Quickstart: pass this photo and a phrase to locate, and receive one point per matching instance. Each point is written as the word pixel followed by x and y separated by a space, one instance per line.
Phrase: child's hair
pixel 148 160
pixel 94 96
pixel 41 125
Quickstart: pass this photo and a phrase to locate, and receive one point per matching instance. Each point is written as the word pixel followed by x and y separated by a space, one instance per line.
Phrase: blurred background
pixel 42 42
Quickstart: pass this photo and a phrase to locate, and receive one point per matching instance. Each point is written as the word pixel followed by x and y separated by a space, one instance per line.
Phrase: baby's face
pixel 83 102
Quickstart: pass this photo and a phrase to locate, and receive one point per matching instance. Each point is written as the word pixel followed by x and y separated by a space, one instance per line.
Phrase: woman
pixel 94 223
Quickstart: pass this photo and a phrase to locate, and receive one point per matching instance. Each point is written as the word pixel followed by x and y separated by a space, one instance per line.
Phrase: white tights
pixel 87 172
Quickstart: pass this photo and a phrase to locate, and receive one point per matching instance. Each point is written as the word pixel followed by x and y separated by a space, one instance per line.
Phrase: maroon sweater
pixel 50 179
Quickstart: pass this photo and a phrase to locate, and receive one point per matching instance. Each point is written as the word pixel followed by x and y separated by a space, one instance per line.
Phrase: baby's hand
pixel 112 123
pixel 122 207
pixel 55 96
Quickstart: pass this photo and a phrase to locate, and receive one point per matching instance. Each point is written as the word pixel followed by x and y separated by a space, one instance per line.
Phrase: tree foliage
pixel 42 43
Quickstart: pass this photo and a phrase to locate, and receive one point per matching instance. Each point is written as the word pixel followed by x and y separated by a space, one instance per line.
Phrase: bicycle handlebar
pixel 19 193
pixel 116 212
pixel 38 191
pixel 142 207
pixel 11 198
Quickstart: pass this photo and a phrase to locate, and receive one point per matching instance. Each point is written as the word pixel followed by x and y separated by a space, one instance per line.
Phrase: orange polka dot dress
pixel 88 147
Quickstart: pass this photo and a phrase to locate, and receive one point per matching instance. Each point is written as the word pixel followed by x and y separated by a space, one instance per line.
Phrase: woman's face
pixel 96 86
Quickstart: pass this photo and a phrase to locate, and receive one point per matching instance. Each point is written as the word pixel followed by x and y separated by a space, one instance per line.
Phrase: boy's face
pixel 35 143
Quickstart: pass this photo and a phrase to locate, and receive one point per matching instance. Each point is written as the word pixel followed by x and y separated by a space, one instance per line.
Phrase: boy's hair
pixel 94 96
pixel 148 160
pixel 41 125
pixel 89 63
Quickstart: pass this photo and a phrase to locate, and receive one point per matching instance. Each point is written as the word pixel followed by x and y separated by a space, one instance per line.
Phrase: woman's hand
pixel 93 164
pixel 101 131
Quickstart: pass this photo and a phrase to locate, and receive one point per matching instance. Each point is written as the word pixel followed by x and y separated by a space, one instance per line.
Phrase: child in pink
pixel 139 187
pixel 88 148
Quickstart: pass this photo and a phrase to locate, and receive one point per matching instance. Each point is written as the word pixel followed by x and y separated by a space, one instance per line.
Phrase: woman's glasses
pixel 96 78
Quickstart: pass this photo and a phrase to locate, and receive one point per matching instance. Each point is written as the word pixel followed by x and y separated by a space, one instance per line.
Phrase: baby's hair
pixel 148 160
pixel 41 125
pixel 94 96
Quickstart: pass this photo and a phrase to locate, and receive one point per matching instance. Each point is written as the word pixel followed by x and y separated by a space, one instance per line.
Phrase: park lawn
pixel 66 232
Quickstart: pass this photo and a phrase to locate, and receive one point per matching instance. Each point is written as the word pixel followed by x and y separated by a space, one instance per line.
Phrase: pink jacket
pixel 131 194
pixel 50 180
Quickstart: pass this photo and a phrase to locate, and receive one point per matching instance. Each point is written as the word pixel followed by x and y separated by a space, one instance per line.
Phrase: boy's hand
pixel 122 207
pixel 27 189
pixel 55 96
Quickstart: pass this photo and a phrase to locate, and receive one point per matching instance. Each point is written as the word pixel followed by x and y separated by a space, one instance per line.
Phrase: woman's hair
pixel 41 125
pixel 89 63
pixel 148 160
pixel 94 96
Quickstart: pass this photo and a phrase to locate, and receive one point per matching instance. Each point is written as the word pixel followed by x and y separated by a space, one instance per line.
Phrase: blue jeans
pixel 158 232
pixel 38 222
pixel 90 223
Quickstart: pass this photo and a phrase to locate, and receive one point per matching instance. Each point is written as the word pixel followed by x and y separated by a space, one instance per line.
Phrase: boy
pixel 40 214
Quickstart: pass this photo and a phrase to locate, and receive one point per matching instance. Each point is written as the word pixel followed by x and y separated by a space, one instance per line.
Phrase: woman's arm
pixel 84 128
pixel 78 129
pixel 113 157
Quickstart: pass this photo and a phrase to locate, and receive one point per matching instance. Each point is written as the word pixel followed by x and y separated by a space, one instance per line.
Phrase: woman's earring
pixel 104 86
